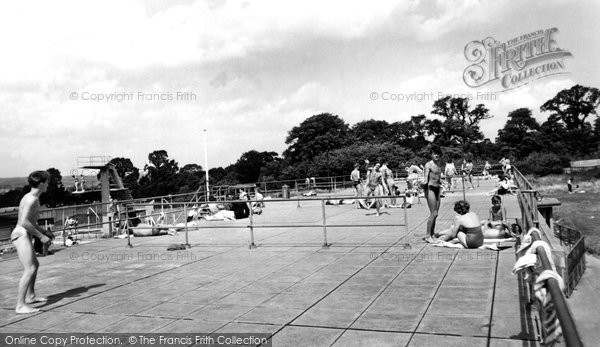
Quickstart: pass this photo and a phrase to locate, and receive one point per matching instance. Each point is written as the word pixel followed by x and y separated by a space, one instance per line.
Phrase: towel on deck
pixel 551 328
pixel 491 244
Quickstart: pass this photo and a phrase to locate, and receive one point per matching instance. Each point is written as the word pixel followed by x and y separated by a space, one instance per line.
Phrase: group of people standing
pixel 467 226
pixel 379 181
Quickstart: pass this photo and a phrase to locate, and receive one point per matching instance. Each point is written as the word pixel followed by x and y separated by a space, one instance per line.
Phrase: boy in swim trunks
pixel 21 238
pixel 374 187
pixel 433 184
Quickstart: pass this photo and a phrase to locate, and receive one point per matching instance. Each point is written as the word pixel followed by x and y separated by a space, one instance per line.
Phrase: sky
pixel 126 78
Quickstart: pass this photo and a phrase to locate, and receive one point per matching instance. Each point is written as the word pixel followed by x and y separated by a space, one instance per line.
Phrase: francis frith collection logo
pixel 515 62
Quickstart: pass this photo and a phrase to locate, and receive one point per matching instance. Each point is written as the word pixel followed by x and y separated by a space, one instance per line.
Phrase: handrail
pixel 562 310
pixel 529 214
pixel 253 225
pixel 94 212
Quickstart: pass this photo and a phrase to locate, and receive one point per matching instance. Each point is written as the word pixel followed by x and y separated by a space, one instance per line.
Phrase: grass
pixel 580 210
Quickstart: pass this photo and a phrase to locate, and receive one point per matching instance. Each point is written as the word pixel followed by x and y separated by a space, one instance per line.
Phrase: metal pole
pixel 206 165
pixel 405 214
pixel 251 226
pixel 325 244
pixel 185 215
pixel 463 187
pixel 127 226
pixel 64 231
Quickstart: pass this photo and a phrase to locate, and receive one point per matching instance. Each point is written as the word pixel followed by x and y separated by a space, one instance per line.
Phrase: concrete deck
pixel 374 286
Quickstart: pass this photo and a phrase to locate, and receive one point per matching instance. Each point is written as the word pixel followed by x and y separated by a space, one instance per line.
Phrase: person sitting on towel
pixel 467 227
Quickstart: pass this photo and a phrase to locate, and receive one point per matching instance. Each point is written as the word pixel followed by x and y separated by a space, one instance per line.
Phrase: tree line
pixel 326 145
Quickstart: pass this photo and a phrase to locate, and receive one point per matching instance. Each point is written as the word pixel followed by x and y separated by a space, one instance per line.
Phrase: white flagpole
pixel 206 164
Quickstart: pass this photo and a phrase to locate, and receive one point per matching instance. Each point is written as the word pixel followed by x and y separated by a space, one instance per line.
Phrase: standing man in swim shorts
pixel 374 186
pixel 27 228
pixel 433 184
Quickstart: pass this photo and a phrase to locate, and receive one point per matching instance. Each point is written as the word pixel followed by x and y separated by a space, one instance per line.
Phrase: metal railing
pixel 528 198
pixel 574 242
pixel 252 223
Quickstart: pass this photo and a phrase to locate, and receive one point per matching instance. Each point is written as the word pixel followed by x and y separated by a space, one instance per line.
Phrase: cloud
pixel 256 69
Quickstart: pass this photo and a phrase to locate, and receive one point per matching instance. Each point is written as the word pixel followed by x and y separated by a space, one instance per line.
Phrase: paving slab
pixel 374 285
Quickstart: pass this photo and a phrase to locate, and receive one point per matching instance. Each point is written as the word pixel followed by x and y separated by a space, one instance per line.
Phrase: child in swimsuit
pixel 496 226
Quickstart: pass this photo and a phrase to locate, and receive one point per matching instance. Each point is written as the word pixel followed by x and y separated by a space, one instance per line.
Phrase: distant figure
pixel 388 178
pixel 192 213
pixel 374 186
pixel 412 179
pixel 468 171
pixel 355 178
pixel 505 187
pixel 486 170
pixel 21 238
pixel 258 205
pixel 82 183
pixel 76 183
pixel 507 168
pixel 258 195
pixel 570 185
pixel 450 171
pixel 503 162
pixel 70 225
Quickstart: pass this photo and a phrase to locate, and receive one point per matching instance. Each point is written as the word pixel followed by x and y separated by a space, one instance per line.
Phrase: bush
pixel 541 164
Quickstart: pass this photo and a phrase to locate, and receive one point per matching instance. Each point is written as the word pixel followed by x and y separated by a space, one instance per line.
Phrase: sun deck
pixel 373 286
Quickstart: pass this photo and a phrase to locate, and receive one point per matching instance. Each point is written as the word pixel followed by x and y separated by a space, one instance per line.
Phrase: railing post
pixel 325 244
pixel 127 226
pixel 185 215
pixel 405 215
pixel 64 231
pixel 251 226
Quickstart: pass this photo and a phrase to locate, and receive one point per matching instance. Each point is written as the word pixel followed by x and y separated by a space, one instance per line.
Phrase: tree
pixel 160 178
pixel 216 175
pixel 128 172
pixel 573 106
pixel 189 178
pixel 460 126
pixel 341 161
pixel 318 134
pixel 567 129
pixel 191 168
pixel 55 194
pixel 372 131
pixel 597 133
pixel 520 135
pixel 249 166
pixel 554 135
pixel 11 198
